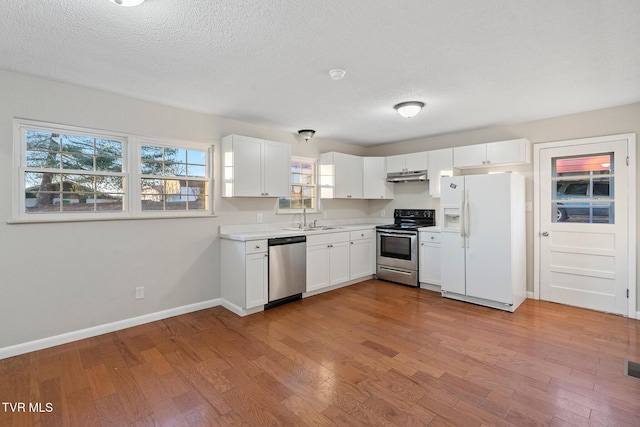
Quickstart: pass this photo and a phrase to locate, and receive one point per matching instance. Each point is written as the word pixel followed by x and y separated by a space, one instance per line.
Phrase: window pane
pixel 108 164
pixel 151 153
pixel 77 162
pixel 151 168
pixel 45 141
pixel 196 157
pixel 583 189
pixel 108 202
pixel 196 171
pixel 175 155
pixel 175 169
pixel 77 144
pixel 108 148
pixel 43 159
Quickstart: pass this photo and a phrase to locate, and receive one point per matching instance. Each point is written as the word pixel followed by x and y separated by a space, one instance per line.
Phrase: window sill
pixel 88 219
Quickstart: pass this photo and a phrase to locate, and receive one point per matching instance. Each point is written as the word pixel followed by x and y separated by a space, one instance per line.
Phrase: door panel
pixel 584 225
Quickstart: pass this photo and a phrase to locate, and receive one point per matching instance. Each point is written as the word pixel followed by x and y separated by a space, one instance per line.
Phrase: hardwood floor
pixel 374 353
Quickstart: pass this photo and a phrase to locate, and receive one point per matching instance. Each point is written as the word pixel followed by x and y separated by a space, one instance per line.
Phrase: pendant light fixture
pixel 409 109
pixel 127 3
pixel 307 134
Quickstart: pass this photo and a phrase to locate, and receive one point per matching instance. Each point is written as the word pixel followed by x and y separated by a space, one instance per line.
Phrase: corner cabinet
pixel 245 273
pixel 255 167
pixel 375 185
pixel 341 176
pixel 502 153
pixel 440 164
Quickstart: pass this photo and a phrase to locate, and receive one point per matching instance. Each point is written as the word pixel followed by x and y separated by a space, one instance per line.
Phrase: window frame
pixel 294 211
pixel 131 174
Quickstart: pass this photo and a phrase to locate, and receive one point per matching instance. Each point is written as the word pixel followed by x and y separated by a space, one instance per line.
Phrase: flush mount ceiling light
pixel 127 3
pixel 337 74
pixel 409 109
pixel 307 134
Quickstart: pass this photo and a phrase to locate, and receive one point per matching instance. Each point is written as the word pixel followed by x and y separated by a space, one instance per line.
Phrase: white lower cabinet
pixel 327 260
pixel 245 272
pixel 429 257
pixel 362 254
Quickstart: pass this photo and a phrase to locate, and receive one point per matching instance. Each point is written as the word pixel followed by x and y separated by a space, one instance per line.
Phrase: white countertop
pixel 433 229
pixel 269 234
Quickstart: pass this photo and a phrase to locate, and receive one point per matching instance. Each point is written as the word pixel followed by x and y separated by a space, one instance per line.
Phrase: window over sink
pixel 303 187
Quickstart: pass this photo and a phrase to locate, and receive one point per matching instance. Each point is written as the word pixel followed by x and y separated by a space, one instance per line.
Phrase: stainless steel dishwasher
pixel 287 269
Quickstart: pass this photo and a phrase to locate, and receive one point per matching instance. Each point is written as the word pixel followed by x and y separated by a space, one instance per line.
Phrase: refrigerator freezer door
pixel 452 263
pixel 488 254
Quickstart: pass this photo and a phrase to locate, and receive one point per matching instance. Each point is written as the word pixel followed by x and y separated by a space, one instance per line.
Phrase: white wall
pixel 64 277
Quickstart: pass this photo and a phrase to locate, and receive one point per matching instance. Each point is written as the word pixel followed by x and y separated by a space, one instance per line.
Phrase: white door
pixel 584 192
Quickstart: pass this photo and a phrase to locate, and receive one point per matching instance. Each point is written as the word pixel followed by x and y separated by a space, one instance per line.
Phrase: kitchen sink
pixel 319 228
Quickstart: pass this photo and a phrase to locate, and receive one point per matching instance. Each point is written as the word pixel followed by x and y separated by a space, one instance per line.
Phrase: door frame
pixel 631 197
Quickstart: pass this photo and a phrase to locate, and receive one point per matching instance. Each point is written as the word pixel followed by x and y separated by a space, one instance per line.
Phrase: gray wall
pixel 64 277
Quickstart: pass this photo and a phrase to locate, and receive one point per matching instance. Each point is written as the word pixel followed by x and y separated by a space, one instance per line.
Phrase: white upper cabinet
pixel 440 164
pixel 375 185
pixel 408 162
pixel 512 152
pixel 341 176
pixel 255 167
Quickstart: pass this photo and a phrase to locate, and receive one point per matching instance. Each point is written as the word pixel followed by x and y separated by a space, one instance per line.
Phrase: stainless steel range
pixel 397 245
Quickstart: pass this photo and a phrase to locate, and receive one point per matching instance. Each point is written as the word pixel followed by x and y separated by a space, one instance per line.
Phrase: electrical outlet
pixel 382 213
pixel 259 218
pixel 140 292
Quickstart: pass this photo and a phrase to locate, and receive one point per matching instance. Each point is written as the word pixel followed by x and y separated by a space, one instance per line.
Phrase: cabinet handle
pixel 257 247
pixel 352 243
pixel 266 255
pixel 432 237
pixel 488 161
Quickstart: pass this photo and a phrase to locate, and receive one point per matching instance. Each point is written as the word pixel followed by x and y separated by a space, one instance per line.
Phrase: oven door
pixel 398 249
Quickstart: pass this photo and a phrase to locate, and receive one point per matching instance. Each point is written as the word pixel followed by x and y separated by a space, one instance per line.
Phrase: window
pixel 303 187
pixel 173 178
pixel 583 189
pixel 68 173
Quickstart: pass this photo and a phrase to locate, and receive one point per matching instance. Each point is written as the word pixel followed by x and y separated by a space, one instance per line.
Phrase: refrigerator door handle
pixel 465 221
pixel 463 232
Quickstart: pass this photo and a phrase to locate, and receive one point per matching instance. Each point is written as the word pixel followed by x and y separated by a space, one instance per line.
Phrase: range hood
pixel 409 176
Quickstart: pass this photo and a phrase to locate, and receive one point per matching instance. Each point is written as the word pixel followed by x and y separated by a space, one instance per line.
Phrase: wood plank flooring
pixel 371 354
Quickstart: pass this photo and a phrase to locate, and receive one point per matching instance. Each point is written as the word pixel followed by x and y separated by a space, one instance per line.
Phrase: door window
pixel 582 189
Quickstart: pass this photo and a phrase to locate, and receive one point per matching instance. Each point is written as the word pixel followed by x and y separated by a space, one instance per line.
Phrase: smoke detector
pixel 337 74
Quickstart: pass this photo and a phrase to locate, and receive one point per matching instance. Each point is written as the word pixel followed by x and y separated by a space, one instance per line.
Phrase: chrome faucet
pixel 304 216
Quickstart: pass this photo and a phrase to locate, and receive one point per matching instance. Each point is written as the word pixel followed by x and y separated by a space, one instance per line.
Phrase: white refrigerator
pixel 484 239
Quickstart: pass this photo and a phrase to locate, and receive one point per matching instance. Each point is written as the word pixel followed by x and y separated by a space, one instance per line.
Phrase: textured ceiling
pixel 474 63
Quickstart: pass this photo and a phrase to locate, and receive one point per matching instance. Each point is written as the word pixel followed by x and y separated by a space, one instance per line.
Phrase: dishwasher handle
pixel 286 240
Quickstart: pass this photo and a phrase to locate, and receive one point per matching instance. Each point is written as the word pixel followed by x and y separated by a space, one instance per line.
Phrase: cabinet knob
pixel 352 243
pixel 257 246
pixel 266 255
pixel 432 237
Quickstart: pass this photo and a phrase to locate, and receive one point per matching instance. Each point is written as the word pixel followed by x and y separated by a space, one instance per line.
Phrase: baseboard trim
pixel 529 295
pixel 68 337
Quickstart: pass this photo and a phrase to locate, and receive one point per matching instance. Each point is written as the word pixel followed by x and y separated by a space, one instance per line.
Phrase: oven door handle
pixel 397 233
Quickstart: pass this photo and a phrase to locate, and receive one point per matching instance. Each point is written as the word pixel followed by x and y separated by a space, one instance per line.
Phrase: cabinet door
pixel 430 269
pixel 417 161
pixel 354 181
pixel 361 258
pixel 470 156
pixel 375 185
pixel 317 267
pixel 396 163
pixel 277 169
pixel 257 279
pixel 338 263
pixel 440 164
pixel 341 175
pixel 247 166
pixel 505 152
